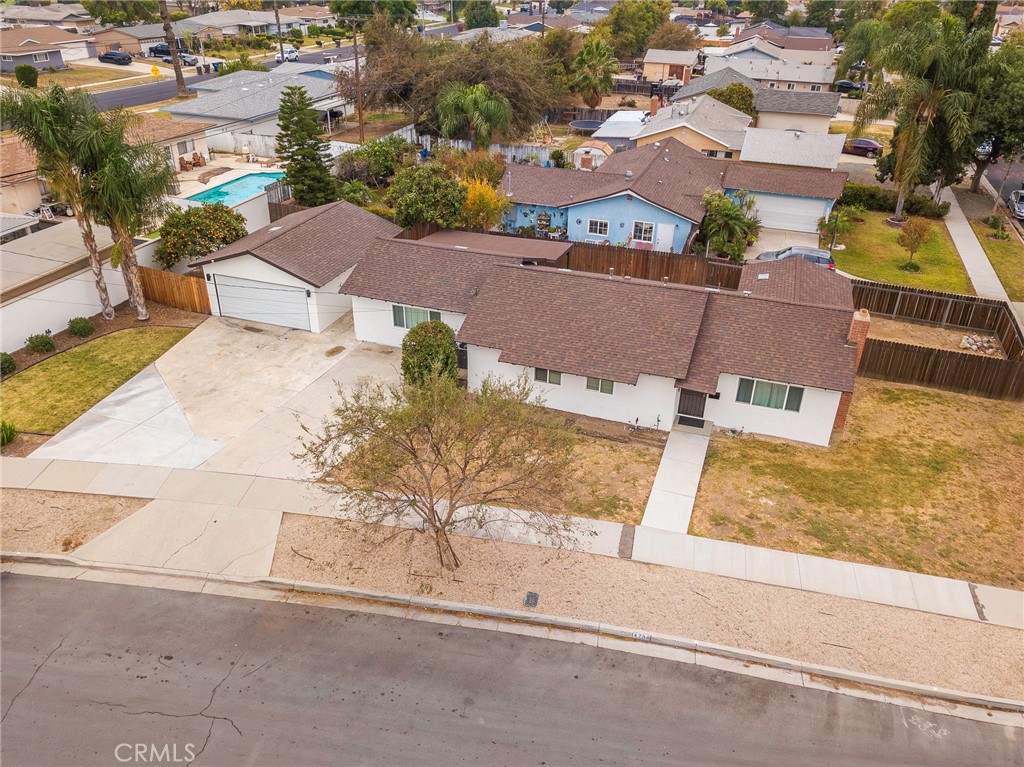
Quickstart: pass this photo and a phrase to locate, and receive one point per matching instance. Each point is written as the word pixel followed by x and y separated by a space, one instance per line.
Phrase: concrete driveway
pixel 232 396
pixel 777 239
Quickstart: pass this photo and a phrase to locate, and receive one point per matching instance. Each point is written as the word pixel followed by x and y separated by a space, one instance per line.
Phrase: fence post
pixel 949 308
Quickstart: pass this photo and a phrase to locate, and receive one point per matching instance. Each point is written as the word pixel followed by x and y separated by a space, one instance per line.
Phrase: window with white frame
pixel 643 231
pixel 790 86
pixel 779 396
pixel 815 89
pixel 547 376
pixel 184 147
pixel 598 228
pixel 718 153
pixel 772 86
pixel 600 385
pixel 6 58
pixel 40 57
pixel 410 316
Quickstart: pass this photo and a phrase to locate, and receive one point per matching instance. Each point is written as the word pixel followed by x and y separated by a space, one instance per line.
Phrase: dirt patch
pixel 928 335
pixel 42 522
pixel 615 479
pixel 921 480
pixel 124 317
pixel 372 129
pixel 814 628
pixel 24 445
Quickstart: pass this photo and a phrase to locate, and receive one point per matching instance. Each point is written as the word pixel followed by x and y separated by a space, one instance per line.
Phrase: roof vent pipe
pixel 629 175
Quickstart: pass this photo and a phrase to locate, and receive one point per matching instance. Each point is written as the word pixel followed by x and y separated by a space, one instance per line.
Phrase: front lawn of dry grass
pixel 75 76
pixel 921 480
pixel 872 253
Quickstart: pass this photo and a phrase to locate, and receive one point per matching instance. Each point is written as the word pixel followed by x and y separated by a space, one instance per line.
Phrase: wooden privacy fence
pixel 653 265
pixel 948 310
pixel 942 369
pixel 178 290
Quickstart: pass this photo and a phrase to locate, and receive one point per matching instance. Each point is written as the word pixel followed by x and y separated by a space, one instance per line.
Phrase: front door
pixel 663 237
pixel 691 408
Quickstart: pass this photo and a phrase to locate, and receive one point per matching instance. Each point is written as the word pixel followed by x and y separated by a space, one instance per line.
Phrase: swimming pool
pixel 242 188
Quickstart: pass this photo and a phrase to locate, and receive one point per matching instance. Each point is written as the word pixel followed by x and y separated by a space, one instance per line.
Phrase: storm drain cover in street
pixel 532 597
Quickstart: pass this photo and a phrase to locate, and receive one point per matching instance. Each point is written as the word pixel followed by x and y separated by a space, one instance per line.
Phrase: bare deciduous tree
pixel 447 459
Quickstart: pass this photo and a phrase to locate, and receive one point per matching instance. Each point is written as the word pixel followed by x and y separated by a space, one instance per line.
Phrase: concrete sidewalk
pixel 213 522
pixel 979 268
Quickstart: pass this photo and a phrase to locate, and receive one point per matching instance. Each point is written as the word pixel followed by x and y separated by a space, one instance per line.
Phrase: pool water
pixel 234 192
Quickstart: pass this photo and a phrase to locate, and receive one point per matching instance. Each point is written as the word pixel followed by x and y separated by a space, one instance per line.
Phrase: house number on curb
pixel 642 636
pixel 532 597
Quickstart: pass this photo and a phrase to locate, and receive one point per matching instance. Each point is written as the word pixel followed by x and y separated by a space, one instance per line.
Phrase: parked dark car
pixel 1017 204
pixel 115 57
pixel 807 253
pixel 163 49
pixel 863 146
pixel 185 58
pixel 845 86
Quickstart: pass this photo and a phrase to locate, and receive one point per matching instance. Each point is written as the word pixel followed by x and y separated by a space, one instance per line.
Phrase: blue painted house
pixel 650 197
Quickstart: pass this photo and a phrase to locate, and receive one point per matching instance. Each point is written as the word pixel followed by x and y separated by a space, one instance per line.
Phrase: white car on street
pixel 290 54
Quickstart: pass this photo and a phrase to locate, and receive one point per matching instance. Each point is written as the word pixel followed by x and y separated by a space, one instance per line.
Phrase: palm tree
pixel 593 68
pixel 473 108
pixel 127 193
pixel 729 225
pixel 179 78
pixel 55 123
pixel 935 71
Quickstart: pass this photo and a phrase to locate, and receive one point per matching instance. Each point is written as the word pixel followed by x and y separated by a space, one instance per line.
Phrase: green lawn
pixel 47 397
pixel 1007 257
pixel 873 254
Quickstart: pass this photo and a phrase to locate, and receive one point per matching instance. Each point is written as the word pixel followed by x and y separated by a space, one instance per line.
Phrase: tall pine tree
pixel 303 150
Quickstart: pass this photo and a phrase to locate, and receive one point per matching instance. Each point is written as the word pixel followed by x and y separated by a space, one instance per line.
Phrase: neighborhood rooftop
pixel 774 70
pixel 314 245
pixel 788 147
pixel 702 114
pixel 797 102
pixel 720 79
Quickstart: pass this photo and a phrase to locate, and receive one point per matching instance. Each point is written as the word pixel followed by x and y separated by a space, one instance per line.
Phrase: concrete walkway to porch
pixel 675 485
pixel 209 521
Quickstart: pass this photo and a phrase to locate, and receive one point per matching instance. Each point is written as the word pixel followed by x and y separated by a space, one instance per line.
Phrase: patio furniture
pixel 197 160
pixel 183 163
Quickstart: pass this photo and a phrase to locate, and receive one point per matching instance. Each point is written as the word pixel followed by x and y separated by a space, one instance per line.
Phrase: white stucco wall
pixel 812 424
pixel 328 304
pixel 51 307
pixel 652 399
pixel 256 211
pixel 374 321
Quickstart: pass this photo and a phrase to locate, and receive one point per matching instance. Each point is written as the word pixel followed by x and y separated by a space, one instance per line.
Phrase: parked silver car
pixel 1017 204
pixel 814 255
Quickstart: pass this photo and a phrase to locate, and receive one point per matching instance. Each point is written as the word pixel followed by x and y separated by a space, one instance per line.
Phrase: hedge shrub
pixel 429 347
pixel 7 364
pixel 80 327
pixel 26 75
pixel 40 343
pixel 884 201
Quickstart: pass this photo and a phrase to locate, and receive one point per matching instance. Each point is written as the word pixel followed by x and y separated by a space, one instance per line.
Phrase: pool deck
pixel 233 167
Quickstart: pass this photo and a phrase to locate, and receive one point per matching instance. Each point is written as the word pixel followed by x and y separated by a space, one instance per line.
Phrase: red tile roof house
pixel 632 351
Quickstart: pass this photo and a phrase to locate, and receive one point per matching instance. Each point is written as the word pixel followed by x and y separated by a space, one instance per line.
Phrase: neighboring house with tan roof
pixel 591 153
pixel 799 38
pixel 21 189
pixel 757 49
pixel 142 37
pixel 632 351
pixel 310 14
pixel 42 48
pixel 669 65
pixel 701 123
pixel 289 272
pixel 650 197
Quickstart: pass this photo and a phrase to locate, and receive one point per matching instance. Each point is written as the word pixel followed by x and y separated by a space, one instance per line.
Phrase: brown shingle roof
pixel 36 39
pixel 551 20
pixel 797 281
pixel 586 324
pixel 668 174
pixel 314 245
pixel 800 182
pixel 403 271
pixel 17 160
pixel 773 340
pixel 159 130
pixel 547 251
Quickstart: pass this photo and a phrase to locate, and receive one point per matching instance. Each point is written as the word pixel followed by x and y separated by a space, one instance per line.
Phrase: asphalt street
pixel 996 175
pixel 149 93
pixel 92 669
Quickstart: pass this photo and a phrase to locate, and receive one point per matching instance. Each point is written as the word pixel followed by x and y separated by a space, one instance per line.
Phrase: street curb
pixel 838 676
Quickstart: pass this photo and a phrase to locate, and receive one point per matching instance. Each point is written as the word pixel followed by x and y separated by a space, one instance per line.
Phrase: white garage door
pixel 262 301
pixel 797 214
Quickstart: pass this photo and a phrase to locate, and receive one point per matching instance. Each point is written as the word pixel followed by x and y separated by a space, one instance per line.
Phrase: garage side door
pixel 262 302
pixel 796 214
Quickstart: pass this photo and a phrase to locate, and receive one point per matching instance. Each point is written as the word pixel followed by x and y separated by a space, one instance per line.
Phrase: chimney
pixel 859 327
pixel 655 103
